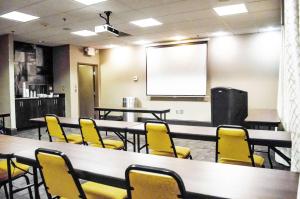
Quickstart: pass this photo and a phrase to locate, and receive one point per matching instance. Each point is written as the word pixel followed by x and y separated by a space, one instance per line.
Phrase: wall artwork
pixel 33 65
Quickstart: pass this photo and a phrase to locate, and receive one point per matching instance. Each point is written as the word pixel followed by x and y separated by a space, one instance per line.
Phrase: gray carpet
pixel 201 150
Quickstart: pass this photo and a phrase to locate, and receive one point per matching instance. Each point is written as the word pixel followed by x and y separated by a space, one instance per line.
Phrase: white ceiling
pixel 190 18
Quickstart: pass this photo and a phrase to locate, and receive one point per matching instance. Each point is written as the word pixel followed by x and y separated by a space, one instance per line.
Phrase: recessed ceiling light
pixel 146 22
pixel 231 9
pixel 220 33
pixel 142 42
pixel 269 29
pixel 84 33
pixel 178 38
pixel 19 16
pixel 89 2
pixel 111 46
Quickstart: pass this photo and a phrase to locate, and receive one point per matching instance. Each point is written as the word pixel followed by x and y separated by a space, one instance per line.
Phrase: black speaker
pixel 228 106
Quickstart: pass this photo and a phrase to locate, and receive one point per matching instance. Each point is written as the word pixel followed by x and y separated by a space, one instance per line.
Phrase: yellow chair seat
pixel 100 191
pixel 72 138
pixel 111 144
pixel 258 160
pixel 14 171
pixel 182 152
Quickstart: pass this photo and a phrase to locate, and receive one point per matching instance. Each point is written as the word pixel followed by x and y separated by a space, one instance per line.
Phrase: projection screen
pixel 177 70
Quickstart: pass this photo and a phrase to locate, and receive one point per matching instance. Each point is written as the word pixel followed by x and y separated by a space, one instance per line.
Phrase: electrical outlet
pixel 180 111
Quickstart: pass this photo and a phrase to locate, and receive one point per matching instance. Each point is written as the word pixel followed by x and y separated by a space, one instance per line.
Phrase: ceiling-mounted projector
pixel 107 27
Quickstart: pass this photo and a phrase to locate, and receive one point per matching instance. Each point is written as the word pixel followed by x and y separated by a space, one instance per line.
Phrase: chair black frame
pixel 247 139
pixel 69 166
pixel 62 129
pixel 95 126
pixel 9 193
pixel 168 132
pixel 155 170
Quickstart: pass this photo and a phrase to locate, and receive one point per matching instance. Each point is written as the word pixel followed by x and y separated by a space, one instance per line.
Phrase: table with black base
pixel 265 119
pixel 160 114
pixel 118 127
pixel 3 116
pixel 257 137
pixel 201 179
pixel 259 118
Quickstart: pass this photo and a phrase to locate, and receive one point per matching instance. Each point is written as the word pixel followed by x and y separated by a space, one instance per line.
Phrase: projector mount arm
pixel 107 13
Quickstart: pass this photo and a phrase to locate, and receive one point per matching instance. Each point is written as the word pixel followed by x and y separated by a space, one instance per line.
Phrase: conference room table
pixel 154 111
pixel 3 116
pixel 258 118
pixel 201 179
pixel 104 125
pixel 256 137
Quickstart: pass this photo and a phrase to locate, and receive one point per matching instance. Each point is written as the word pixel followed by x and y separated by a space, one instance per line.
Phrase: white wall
pixel 249 62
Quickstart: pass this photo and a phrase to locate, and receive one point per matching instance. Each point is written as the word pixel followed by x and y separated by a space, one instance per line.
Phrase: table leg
pixel 99 112
pixel 134 148
pixel 3 122
pixel 39 131
pixel 36 183
pixel 125 134
pixel 138 143
pixel 269 157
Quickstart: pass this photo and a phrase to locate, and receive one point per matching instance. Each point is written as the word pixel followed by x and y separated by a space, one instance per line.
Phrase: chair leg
pixel 5 191
pixel 29 188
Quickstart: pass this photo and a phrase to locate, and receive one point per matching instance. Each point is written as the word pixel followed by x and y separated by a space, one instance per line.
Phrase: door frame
pixel 96 83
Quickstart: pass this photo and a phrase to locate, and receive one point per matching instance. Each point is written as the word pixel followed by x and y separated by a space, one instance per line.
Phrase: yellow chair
pixel 91 136
pixel 149 183
pixel 56 131
pixel 10 171
pixel 233 147
pixel 159 141
pixel 60 179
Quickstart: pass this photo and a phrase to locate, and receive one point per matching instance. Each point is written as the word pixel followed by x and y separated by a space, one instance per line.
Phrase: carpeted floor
pixel 201 151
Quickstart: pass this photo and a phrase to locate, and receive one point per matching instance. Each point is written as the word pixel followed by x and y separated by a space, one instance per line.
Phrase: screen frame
pixel 173 45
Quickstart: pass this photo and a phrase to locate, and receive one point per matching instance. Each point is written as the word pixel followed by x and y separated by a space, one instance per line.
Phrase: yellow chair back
pixel 158 138
pixel 89 132
pixel 57 174
pixel 53 127
pixel 148 183
pixel 232 144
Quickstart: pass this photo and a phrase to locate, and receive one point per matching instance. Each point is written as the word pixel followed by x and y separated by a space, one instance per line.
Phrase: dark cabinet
pixel 33 108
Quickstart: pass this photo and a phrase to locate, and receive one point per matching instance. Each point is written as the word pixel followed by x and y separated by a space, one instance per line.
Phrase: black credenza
pixel 27 108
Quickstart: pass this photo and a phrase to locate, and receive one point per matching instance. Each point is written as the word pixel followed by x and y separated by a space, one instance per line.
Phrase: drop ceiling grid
pixel 178 16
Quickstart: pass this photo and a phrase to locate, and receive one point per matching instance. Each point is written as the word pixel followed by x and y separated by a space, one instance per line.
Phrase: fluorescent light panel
pixel 89 2
pixel 146 22
pixel 84 33
pixel 220 33
pixel 19 16
pixel 178 37
pixel 231 9
pixel 111 46
pixel 142 42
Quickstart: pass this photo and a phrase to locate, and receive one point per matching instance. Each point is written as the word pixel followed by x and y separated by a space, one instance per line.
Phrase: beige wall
pixel 7 90
pixel 77 56
pixel 65 67
pixel 248 62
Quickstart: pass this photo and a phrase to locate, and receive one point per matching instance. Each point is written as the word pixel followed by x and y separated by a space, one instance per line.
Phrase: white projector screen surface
pixel 178 70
